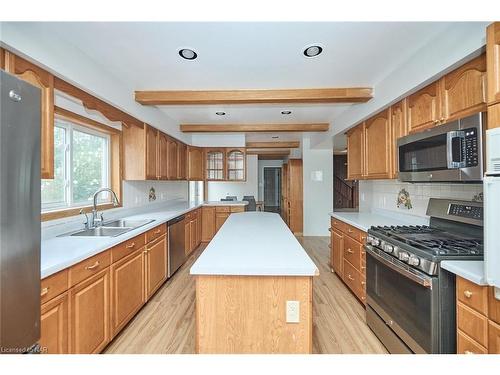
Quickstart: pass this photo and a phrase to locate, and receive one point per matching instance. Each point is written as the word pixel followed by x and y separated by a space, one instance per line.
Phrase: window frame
pixel 114 157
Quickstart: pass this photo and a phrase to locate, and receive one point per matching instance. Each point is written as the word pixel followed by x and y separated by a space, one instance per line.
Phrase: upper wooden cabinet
pixel 45 81
pixel 181 161
pixel 172 159
pixel 493 62
pixel 464 90
pixel 215 164
pixel 377 148
pixel 194 163
pixel 424 108
pixel 399 128
pixel 162 156
pixel 2 58
pixel 236 162
pixel 355 152
pixel 151 152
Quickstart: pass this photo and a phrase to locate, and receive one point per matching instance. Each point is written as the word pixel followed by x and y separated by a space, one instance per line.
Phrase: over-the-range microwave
pixel 452 152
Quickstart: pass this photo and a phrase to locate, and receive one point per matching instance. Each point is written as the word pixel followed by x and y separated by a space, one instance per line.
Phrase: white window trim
pixel 70 127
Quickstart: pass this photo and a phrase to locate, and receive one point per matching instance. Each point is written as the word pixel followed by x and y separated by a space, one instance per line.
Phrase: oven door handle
pixel 418 277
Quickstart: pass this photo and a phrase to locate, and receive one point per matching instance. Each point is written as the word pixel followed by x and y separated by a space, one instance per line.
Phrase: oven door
pixel 405 299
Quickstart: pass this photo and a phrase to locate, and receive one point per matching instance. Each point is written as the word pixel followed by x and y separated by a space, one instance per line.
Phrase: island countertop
pixel 254 244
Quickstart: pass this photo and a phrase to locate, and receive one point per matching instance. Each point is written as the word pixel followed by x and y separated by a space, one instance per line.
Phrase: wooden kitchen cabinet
pixel 424 108
pixel 2 58
pixel 151 152
pixel 127 289
pixel 236 164
pixel 208 223
pixel 156 264
pixel 172 159
pixel 42 79
pixel 494 338
pixel 493 306
pixel 162 150
pixel 195 163
pixel 464 90
pixel 221 215
pixel 399 128
pixel 292 191
pixel 355 152
pixel 181 161
pixel 215 164
pixel 337 246
pixel 493 63
pixel 377 147
pixel 89 304
pixel 54 325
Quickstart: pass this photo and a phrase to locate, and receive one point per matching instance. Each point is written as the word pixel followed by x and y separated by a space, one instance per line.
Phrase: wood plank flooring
pixel 167 323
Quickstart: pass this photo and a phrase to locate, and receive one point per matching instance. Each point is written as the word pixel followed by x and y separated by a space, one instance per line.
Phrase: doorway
pixel 345 192
pixel 272 189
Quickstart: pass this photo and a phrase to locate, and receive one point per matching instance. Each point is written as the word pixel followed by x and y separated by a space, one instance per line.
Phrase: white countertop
pixel 254 244
pixel 472 270
pixel 58 253
pixel 364 220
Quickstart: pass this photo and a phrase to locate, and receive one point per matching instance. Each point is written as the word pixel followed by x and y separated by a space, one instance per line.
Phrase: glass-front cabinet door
pixel 236 165
pixel 215 164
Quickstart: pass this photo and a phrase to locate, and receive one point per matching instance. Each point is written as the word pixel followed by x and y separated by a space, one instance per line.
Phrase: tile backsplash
pixel 382 194
pixel 137 193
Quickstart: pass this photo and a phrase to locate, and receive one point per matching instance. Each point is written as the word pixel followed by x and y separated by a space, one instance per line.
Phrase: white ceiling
pixel 249 56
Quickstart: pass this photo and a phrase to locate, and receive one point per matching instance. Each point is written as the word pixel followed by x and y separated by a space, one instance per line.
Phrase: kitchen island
pixel 245 278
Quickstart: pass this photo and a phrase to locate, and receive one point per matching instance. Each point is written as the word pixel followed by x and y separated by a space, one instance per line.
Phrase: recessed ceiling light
pixel 220 113
pixel 275 137
pixel 313 51
pixel 286 112
pixel 188 54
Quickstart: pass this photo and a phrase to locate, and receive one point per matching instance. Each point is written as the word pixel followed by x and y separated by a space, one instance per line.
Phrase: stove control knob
pixel 414 261
pixel 388 248
pixel 404 256
pixel 374 241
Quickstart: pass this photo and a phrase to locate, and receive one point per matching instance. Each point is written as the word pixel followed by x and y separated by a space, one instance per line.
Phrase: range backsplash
pixel 383 194
pixel 137 193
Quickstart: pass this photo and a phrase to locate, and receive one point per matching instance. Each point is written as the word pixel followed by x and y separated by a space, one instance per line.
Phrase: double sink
pixel 112 228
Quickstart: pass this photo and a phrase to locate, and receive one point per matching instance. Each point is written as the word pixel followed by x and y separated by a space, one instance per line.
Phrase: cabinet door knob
pixel 468 352
pixel 467 293
pixel 350 251
pixel 131 245
pixel 350 277
pixel 44 291
pixel 158 231
pixel 94 266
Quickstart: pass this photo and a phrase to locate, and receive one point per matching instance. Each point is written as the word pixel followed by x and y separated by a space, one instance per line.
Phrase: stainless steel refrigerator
pixel 20 105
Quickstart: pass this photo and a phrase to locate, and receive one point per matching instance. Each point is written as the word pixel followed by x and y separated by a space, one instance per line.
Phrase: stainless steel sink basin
pixel 101 232
pixel 126 223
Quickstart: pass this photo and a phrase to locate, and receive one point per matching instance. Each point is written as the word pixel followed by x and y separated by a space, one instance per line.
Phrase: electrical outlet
pixel 292 311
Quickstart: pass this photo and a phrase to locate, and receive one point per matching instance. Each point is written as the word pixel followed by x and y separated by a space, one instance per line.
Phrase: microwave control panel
pixel 471 149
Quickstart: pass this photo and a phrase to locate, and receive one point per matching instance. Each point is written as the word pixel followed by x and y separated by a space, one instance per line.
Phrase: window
pixel 81 166
pixel 195 191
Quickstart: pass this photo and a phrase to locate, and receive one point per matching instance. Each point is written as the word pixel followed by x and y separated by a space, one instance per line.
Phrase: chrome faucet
pixel 94 220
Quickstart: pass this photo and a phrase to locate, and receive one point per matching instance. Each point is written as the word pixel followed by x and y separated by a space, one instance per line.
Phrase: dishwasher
pixel 176 244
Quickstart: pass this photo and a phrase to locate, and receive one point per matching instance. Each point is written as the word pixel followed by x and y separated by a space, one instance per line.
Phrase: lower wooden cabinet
pixel 220 219
pixel 54 325
pixel 89 304
pixel 156 265
pixel 127 288
pixel 348 257
pixel 466 345
pixel 208 223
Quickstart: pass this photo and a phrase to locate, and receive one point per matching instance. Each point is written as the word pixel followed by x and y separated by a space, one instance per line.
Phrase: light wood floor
pixel 167 323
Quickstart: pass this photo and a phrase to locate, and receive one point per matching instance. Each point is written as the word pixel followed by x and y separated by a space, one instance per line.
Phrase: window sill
pixel 73 211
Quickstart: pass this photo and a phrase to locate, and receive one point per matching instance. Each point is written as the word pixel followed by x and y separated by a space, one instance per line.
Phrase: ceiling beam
pixel 277 144
pixel 253 128
pixel 322 95
pixel 268 152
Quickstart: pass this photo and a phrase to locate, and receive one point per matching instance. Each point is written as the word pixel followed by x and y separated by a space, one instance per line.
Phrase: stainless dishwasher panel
pixel 176 244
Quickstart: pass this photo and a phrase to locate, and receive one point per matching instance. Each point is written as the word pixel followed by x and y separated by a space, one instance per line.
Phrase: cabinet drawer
pixel 472 324
pixel 339 225
pixel 353 279
pixel 53 285
pixel 222 209
pixel 473 295
pixel 493 306
pixel 89 267
pixel 237 208
pixel 154 233
pixel 352 252
pixel 128 247
pixel 494 338
pixel 355 233
pixel 466 345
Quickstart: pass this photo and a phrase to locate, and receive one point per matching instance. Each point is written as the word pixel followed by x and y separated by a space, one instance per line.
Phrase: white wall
pixel 382 194
pixel 261 165
pixel 136 193
pixel 218 190
pixel 318 195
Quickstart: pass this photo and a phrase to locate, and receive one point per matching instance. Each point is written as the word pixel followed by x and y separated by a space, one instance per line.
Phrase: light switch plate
pixel 292 311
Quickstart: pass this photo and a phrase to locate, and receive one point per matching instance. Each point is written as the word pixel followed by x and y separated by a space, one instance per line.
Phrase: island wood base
pixel 247 314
